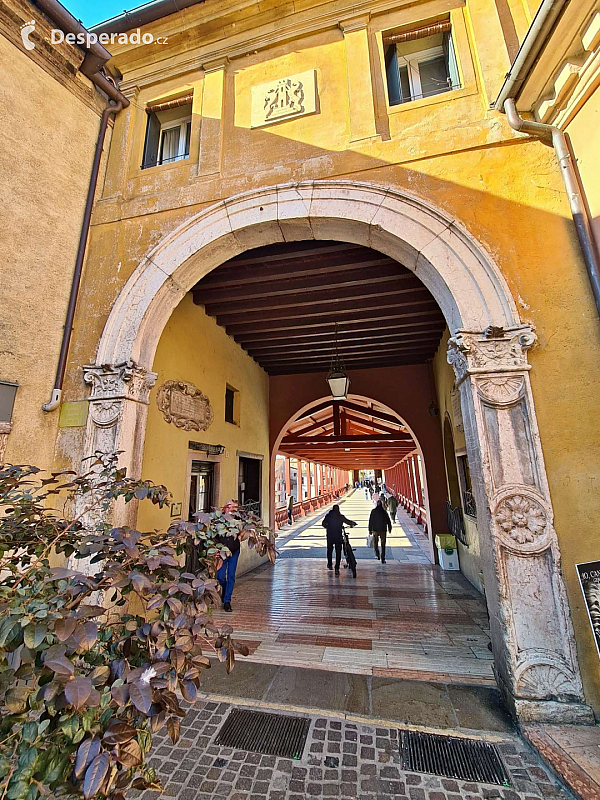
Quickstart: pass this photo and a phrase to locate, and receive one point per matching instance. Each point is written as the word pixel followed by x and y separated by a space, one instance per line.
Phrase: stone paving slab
pixel 343 758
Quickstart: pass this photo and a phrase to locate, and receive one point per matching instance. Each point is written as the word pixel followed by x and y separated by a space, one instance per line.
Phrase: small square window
pixel 231 405
pixel 168 133
pixel 420 63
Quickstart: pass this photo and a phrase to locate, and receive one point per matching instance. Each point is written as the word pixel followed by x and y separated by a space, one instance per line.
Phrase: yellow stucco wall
pixel 586 121
pixel 194 348
pixel 452 152
pixel 47 169
pixel 469 556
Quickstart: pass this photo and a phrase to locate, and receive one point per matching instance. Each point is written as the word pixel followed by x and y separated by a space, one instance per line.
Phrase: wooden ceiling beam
pixel 432 323
pixel 347 439
pixel 327 304
pixel 390 340
pixel 364 273
pixel 285 324
pixel 325 358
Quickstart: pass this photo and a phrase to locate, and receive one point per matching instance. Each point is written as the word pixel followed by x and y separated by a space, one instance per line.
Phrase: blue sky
pixel 91 12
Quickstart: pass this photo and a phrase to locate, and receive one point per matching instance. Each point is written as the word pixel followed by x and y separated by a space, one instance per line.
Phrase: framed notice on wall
pixel 589 578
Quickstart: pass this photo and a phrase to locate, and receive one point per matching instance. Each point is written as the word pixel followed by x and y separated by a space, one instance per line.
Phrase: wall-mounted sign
pixel 73 414
pixel 175 509
pixel 209 449
pixel 285 98
pixel 589 579
pixel 184 405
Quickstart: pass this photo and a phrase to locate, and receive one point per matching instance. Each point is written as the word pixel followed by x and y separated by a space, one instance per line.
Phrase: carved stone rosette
pixel 532 636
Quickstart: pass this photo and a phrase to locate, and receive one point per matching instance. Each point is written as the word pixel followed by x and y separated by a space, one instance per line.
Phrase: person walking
pixel 290 509
pixel 379 526
pixel 392 506
pixel 375 497
pixel 332 522
pixel 226 572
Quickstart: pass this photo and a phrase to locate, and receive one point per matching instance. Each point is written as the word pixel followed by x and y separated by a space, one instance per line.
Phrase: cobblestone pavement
pixel 341 759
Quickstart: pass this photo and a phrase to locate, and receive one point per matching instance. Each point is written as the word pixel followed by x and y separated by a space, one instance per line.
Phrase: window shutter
pixel 451 64
pixel 393 75
pixel 151 144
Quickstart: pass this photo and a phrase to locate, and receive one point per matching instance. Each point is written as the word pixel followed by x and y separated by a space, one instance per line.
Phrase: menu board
pixel 589 579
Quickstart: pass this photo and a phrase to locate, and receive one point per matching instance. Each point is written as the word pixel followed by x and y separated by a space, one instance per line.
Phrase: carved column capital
pixel 491 350
pixel 126 381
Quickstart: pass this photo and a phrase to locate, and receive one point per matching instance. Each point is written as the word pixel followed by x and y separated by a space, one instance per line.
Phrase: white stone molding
pixel 118 408
pixel 576 74
pixel 462 277
pixel 184 405
pixel 5 429
pixel 534 646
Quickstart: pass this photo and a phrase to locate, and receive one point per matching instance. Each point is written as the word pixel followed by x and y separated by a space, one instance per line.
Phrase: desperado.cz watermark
pixel 88 38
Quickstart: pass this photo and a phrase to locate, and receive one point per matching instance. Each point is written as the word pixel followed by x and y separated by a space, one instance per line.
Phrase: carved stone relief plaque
pixel 184 405
pixel 285 98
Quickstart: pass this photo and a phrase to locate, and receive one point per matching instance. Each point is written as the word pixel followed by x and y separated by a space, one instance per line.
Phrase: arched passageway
pixel 534 651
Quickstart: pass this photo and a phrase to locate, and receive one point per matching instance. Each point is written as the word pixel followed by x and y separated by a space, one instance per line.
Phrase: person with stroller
pixel 332 522
pixel 379 526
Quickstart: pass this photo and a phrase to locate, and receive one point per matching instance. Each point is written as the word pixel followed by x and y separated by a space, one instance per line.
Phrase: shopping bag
pixel 370 540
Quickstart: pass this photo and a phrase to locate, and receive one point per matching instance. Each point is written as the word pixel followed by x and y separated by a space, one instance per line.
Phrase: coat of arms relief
pixel 184 405
pixel 284 98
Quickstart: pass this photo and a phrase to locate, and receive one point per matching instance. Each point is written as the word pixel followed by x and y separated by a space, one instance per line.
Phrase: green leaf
pixel 16 699
pixel 17 790
pixel 30 732
pixel 34 635
pixel 70 726
pixel 11 634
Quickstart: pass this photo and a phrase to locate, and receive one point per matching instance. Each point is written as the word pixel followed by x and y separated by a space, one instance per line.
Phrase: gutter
pixel 93 68
pixel 142 15
pixel 543 22
pixel 532 46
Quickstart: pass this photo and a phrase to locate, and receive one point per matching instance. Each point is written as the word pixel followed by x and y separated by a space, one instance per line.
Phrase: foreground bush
pixel 95 655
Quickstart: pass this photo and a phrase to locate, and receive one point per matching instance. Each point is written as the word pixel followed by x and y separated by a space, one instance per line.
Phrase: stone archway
pixel 533 642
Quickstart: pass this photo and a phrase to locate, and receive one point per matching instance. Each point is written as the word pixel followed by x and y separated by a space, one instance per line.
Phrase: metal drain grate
pixel 465 759
pixel 259 732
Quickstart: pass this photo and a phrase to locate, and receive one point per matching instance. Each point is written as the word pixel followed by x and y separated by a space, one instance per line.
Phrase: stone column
pixel 358 70
pixel 116 421
pixel 532 637
pixel 211 126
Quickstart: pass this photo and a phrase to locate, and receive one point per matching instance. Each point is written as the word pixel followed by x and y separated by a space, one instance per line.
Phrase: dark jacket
pixel 393 504
pixel 333 522
pixel 379 520
pixel 232 542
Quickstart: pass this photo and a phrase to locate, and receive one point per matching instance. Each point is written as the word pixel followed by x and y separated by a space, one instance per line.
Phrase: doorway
pixel 201 488
pixel 249 484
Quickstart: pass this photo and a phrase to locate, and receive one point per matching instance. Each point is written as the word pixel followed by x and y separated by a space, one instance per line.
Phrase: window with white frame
pixel 168 132
pixel 420 62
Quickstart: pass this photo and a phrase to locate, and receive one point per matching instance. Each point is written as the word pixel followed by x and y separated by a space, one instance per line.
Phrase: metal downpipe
pixel 112 108
pixel 555 137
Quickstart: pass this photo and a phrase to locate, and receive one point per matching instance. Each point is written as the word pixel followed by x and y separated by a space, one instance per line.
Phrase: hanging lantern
pixel 338 380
